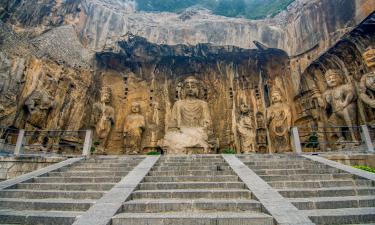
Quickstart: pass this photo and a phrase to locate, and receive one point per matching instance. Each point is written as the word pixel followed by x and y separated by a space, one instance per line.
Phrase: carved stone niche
pixel 190 126
pixel 133 130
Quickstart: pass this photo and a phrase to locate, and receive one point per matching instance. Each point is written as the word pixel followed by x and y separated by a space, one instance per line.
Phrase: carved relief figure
pixel 133 130
pixel 190 124
pixel 367 84
pixel 104 118
pixel 342 99
pixel 279 120
pixel 38 105
pixel 246 130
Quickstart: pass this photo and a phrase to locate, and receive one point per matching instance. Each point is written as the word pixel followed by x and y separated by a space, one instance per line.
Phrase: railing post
pixel 87 144
pixel 296 142
pixel 367 138
pixel 19 145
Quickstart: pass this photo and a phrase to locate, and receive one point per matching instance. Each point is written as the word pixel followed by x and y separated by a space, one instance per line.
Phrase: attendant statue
pixel 279 120
pixel 133 130
pixel 246 130
pixel 190 124
pixel 367 84
pixel 104 115
pixel 342 100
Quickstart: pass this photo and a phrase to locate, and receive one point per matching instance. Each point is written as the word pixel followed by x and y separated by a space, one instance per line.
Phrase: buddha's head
pixel 333 78
pixel 191 87
pixel 244 109
pixel 136 107
pixel 106 94
pixel 369 57
pixel 276 96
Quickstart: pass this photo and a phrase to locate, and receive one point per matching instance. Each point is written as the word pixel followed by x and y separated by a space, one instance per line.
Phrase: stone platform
pixel 195 189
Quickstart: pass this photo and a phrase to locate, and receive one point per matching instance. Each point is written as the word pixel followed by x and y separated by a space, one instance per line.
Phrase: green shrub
pixel 92 149
pixel 366 168
pixel 312 142
pixel 229 151
pixel 153 153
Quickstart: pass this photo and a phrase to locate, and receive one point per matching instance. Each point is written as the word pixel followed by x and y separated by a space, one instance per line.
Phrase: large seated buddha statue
pixel 190 125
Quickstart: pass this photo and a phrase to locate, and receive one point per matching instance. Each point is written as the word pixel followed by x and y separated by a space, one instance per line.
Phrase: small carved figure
pixel 246 130
pixel 133 129
pixel 38 106
pixel 104 118
pixel 367 84
pixel 279 120
pixel 342 99
pixel 190 125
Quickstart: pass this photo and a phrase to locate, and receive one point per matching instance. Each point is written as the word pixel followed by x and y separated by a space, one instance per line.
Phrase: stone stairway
pixel 191 190
pixel 60 196
pixel 325 194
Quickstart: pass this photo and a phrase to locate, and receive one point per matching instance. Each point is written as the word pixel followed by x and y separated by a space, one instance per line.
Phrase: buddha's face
pixel 136 108
pixel 191 88
pixel 244 109
pixel 369 57
pixel 333 79
pixel 276 97
pixel 106 96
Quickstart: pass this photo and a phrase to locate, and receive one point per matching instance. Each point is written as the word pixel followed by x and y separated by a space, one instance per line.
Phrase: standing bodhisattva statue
pixel 246 130
pixel 133 130
pixel 104 118
pixel 367 84
pixel 190 123
pixel 342 99
pixel 279 120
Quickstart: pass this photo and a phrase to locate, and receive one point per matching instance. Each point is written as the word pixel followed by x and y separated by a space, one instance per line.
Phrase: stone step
pixel 189 168
pixel 40 194
pixel 88 174
pixel 296 172
pixel 189 164
pixel 104 166
pixel 341 216
pixel 45 204
pixel 217 178
pixel 99 167
pixel 129 163
pixel 320 184
pixel 95 169
pixel 286 166
pixel 191 185
pixel 190 173
pixel 326 192
pixel 30 217
pixel 196 218
pixel 184 205
pixel 192 194
pixel 281 163
pixel 306 177
pixel 66 186
pixel 333 202
pixel 77 179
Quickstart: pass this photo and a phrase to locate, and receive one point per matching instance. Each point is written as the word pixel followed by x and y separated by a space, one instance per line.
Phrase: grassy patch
pixel 229 151
pixel 366 168
pixel 153 153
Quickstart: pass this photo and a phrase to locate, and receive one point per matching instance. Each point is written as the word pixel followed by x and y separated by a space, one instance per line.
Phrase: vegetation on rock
pixel 250 9
pixel 366 168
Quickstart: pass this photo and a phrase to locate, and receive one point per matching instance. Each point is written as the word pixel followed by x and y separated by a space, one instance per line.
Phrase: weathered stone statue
pixel 342 99
pixel 38 105
pixel 104 117
pixel 279 120
pixel 190 124
pixel 133 130
pixel 246 130
pixel 367 84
